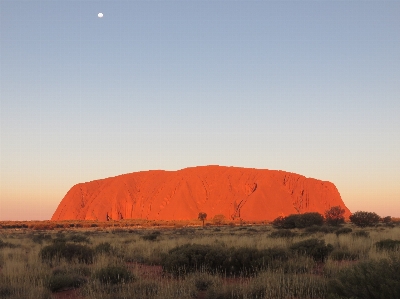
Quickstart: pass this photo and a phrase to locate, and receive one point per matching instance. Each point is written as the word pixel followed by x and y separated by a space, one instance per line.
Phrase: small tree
pixel 335 216
pixel 218 219
pixel 364 219
pixel 202 217
pixel 387 219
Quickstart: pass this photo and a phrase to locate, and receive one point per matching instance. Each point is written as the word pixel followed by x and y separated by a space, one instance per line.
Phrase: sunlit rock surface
pixel 237 193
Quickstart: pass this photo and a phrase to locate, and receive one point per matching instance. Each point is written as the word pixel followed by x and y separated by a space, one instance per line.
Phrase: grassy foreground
pixel 191 262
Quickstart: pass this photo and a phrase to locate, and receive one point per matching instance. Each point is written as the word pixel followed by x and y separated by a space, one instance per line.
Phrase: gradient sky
pixel 311 87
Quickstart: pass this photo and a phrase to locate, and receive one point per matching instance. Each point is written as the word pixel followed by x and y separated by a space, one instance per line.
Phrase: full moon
pixel 100 15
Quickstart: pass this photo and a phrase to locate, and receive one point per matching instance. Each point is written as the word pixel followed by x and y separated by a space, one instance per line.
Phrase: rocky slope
pixel 246 193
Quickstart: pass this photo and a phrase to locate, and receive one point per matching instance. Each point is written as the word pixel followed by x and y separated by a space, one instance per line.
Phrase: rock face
pixel 246 193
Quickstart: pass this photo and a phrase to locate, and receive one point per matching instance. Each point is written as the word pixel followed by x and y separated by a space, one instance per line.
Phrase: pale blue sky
pixel 311 87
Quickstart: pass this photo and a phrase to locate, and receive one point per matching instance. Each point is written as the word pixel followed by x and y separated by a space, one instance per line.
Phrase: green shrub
pixel 368 280
pixel 77 238
pixel 320 229
pixel 202 283
pixel 298 220
pixel 309 219
pixel 283 233
pixel 114 275
pixel 314 248
pixel 279 222
pixel 388 244
pixel 60 238
pixel 63 281
pixel 68 251
pixel 39 238
pixel 343 231
pixel 217 259
pixel 6 244
pixel 104 247
pixel 364 219
pixel 5 291
pixel 57 271
pixel 287 222
pixel 152 236
pixel 60 233
pixel 189 258
pixel 248 261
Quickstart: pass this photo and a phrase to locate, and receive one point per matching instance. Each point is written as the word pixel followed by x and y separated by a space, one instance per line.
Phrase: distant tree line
pixel 334 217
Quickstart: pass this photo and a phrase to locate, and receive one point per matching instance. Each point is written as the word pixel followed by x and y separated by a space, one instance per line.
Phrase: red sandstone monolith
pixel 237 193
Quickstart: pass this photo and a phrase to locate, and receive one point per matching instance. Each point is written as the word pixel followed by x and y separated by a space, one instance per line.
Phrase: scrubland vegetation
pixel 308 260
